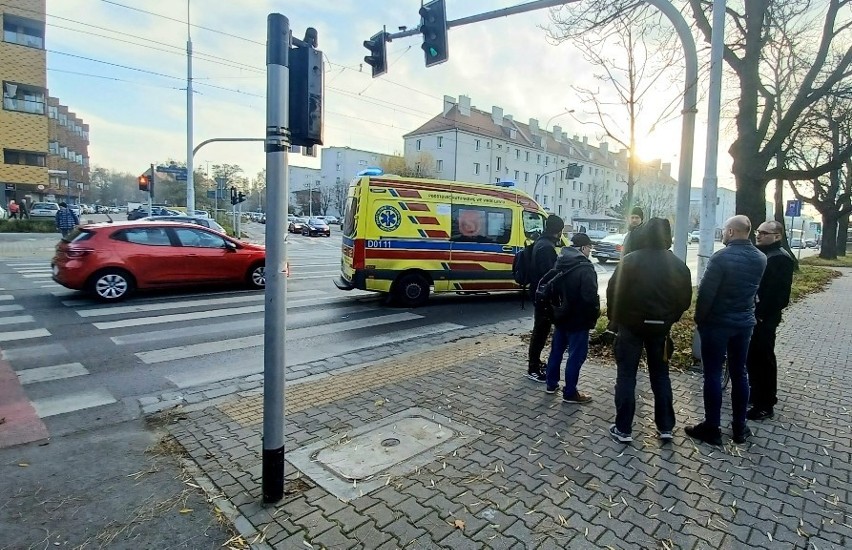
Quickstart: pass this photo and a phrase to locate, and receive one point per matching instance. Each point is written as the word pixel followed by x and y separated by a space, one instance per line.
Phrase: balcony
pixel 23 105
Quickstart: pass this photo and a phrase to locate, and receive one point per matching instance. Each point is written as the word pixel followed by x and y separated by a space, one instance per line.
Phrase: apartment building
pixel 468 144
pixel 67 153
pixel 23 119
pixel 339 165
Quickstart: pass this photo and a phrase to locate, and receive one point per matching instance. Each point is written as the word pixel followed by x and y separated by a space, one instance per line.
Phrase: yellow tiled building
pixel 44 147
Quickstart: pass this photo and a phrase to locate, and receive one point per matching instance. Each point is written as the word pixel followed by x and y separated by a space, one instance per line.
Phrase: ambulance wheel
pixel 411 290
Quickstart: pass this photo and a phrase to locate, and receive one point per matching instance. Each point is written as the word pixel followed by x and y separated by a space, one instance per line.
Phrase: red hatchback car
pixel 111 260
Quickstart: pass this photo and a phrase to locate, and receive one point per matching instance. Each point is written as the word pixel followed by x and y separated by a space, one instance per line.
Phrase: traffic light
pixel 433 26
pixel 233 195
pixel 144 183
pixel 241 197
pixel 378 58
pixel 306 93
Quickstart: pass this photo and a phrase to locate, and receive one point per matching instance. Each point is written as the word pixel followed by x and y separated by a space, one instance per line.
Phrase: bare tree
pixel 657 198
pixel 598 197
pixel 417 166
pixel 339 192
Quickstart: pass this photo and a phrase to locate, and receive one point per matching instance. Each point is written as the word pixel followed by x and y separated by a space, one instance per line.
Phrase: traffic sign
pixel 794 208
pixel 171 169
pixel 180 177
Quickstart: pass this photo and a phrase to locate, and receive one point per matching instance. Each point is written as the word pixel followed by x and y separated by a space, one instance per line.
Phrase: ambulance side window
pixel 349 218
pixel 533 224
pixel 481 224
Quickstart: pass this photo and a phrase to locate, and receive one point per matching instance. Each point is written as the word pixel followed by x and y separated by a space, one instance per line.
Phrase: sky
pixel 121 66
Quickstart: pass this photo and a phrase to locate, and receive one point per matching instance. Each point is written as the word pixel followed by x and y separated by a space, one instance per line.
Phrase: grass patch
pixel 841 261
pixel 808 280
pixel 27 226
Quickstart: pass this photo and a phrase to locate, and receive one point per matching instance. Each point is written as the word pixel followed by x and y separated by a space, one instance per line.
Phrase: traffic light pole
pixel 151 192
pixel 275 312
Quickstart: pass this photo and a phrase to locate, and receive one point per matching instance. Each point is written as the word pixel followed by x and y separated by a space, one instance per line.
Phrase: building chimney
pixel 508 119
pixel 576 137
pixel 604 147
pixel 533 126
pixel 449 101
pixel 557 133
pixel 497 115
pixel 565 136
pixel 585 140
pixel 464 105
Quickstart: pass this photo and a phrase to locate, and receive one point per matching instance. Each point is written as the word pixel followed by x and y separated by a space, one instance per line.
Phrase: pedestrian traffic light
pixel 144 183
pixel 233 195
pixel 433 26
pixel 378 58
pixel 241 197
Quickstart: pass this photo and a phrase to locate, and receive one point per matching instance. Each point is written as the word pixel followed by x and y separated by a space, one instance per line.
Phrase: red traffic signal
pixel 144 183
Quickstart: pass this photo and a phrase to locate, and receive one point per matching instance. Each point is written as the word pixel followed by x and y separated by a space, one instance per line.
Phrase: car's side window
pixel 152 236
pixel 481 224
pixel 199 239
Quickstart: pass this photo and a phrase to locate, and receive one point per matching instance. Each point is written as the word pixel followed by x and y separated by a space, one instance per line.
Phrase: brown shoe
pixel 578 398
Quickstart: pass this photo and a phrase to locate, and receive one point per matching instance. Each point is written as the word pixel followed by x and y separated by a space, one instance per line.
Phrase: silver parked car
pixel 44 210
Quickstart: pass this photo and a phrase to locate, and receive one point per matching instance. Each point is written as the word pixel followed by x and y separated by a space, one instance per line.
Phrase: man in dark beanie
pixel 543 260
pixel 648 292
pixel 637 216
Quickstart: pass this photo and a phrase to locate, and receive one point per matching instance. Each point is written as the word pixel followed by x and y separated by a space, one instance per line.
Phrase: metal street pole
pixel 151 192
pixel 190 179
pixel 275 312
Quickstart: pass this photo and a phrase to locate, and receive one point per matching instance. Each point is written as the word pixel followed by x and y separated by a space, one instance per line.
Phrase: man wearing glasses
pixel 772 297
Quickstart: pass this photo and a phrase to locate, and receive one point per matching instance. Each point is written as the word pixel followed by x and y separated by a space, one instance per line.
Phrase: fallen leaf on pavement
pixel 458 524
pixel 185 510
pixel 23 464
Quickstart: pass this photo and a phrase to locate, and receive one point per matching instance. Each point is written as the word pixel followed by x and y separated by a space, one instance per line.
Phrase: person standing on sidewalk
pixel 25 208
pixel 648 292
pixel 13 210
pixel 576 310
pixel 65 219
pixel 772 297
pixel 724 314
pixel 543 259
pixel 637 217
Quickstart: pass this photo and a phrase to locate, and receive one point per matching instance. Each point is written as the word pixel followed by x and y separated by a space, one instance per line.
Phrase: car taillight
pixel 77 252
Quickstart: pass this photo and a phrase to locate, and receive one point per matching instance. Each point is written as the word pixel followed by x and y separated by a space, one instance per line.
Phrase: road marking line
pixel 23 334
pixel 228 371
pixel 16 320
pixel 34 352
pixel 36 275
pixel 55 372
pixel 27 264
pixel 6 297
pixel 13 307
pixel 218 346
pixel 36 270
pixel 140 308
pixel 61 404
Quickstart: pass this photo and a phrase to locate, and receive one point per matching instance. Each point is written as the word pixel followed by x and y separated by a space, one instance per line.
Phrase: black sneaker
pixel 741 434
pixel 537 376
pixel 756 413
pixel 705 433
pixel 619 436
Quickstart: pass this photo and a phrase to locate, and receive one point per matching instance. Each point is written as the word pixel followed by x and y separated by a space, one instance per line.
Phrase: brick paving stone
pixel 333 539
pixel 411 509
pixel 437 527
pixel 459 541
pixel 405 531
pixel 368 535
pixel 381 514
pixel 348 518
pixel 315 523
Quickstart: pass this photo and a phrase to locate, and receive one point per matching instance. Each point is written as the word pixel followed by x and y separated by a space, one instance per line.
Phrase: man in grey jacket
pixel 724 314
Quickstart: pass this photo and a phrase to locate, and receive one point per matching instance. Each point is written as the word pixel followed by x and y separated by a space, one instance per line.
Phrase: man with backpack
pixel 543 257
pixel 570 292
pixel 648 292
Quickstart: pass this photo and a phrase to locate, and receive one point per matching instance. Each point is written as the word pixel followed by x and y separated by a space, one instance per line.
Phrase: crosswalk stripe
pixel 209 348
pixel 223 328
pixel 13 307
pixel 65 403
pixel 215 373
pixel 16 320
pixel 139 308
pixel 23 334
pixel 34 352
pixel 55 372
pixel 36 275
pixel 35 270
pixel 6 297
pixel 27 264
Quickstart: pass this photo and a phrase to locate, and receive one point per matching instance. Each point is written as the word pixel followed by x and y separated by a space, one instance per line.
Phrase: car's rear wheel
pixel 112 285
pixel 257 276
pixel 412 290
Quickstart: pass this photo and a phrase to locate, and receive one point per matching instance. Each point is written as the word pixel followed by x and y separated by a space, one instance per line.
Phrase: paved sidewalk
pixel 539 473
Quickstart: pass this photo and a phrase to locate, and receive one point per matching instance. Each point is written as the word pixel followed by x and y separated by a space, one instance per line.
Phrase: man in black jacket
pixel 576 295
pixel 634 232
pixel 772 297
pixel 724 313
pixel 648 292
pixel 543 258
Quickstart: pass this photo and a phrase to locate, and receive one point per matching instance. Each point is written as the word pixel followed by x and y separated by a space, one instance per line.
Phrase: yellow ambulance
pixel 410 236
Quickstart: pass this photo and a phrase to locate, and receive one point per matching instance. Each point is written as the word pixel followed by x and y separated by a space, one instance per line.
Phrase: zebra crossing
pixel 179 341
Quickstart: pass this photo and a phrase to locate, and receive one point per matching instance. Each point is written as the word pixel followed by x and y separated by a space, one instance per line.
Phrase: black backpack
pixel 522 265
pixel 548 295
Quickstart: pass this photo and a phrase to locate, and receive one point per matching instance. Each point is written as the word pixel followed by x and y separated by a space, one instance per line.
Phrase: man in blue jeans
pixel 724 314
pixel 575 310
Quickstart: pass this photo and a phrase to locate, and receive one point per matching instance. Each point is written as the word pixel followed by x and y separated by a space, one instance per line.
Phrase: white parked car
pixel 45 210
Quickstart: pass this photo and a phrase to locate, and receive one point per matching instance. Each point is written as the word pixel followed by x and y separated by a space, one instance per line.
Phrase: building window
pixel 53 147
pixel 518 154
pixel 27 158
pixel 439 166
pixel 476 144
pixel 417 144
pixel 488 145
pixel 499 163
pixel 500 146
pixel 440 141
pixel 52 112
pixel 23 98
pixel 546 161
pixel 573 203
pixel 573 185
pixel 581 186
pixel 561 189
pixel 517 175
pixel 545 200
pixel 476 168
pixel 545 179
pixel 338 167
pixel 559 210
pixel 24 32
pixel 527 156
pixel 526 176
pixel 63 119
pixel 538 159
pixel 579 203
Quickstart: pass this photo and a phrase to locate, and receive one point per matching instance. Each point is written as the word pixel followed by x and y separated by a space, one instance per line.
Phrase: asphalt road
pixel 84 364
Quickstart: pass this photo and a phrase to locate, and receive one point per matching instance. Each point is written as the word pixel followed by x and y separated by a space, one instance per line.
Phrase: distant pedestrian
pixel 24 210
pixel 576 308
pixel 65 219
pixel 13 210
pixel 648 292
pixel 724 314
pixel 637 217
pixel 543 259
pixel 772 297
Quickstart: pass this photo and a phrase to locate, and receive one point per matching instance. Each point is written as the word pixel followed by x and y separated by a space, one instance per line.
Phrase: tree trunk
pixel 842 234
pixel 828 249
pixel 751 199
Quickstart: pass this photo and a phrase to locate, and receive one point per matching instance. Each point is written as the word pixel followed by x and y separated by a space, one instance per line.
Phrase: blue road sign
pixel 171 169
pixel 794 208
pixel 180 177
